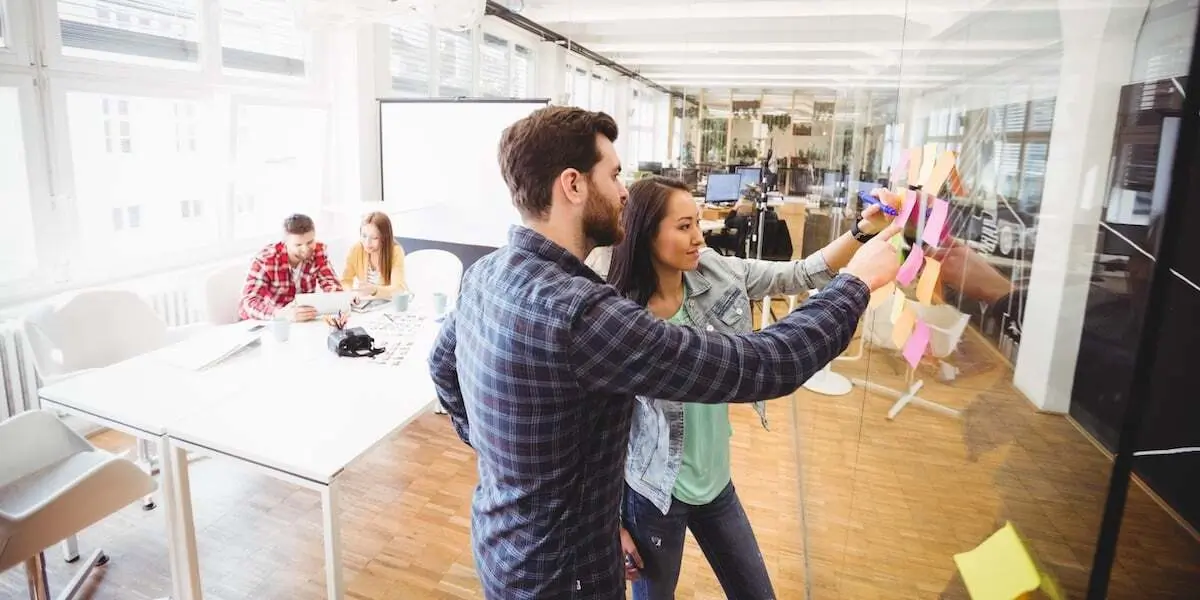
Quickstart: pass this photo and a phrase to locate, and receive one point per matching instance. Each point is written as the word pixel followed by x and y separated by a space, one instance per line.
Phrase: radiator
pixel 19 390
pixel 176 305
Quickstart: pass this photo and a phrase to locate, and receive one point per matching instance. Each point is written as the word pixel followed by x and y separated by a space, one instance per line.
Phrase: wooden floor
pixel 886 505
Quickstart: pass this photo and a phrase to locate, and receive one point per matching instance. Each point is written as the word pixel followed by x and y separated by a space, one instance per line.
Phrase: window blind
pixel 522 66
pixel 131 31
pixel 1041 115
pixel 493 67
pixel 261 36
pixel 410 59
pixel 454 63
pixel 597 93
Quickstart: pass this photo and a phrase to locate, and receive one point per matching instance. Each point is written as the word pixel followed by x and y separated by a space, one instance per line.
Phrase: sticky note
pixel 898 301
pixel 1000 568
pixel 941 171
pixel 915 347
pixel 899 169
pixel 914 165
pixel 956 185
pixel 906 211
pixel 904 327
pixel 928 280
pixel 936 222
pixel 882 294
pixel 928 157
pixel 908 270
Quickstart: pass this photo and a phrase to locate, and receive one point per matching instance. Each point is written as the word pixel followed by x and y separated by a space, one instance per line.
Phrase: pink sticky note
pixel 936 222
pixel 899 170
pixel 909 269
pixel 915 348
pixel 906 212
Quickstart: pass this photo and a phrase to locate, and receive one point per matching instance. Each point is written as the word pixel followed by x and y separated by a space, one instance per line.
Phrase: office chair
pixel 431 271
pixel 53 484
pixel 222 293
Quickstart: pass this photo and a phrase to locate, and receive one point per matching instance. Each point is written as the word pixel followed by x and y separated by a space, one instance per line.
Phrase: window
pixel 3 25
pixel 596 93
pixel 579 88
pixel 16 218
pixel 260 36
pixel 185 127
pixel 279 158
pixel 522 71
pixel 493 67
pixel 410 59
pixel 148 32
pixel 127 186
pixel 454 63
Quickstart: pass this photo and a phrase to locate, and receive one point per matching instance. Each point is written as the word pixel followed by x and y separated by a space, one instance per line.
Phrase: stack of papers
pixel 208 349
pixel 395 334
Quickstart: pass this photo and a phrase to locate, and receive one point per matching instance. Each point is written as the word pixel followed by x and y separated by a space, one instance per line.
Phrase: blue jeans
pixel 723 532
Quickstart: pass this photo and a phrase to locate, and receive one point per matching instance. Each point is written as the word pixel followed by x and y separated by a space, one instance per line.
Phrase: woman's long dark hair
pixel 631 269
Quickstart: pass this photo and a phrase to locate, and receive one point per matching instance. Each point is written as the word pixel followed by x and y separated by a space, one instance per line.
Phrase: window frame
pixel 17 51
pixel 43 209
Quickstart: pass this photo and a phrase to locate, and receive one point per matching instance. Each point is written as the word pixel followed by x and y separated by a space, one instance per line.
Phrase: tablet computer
pixel 327 303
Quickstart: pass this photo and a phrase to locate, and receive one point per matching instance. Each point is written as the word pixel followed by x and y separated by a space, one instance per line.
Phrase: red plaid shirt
pixel 271 286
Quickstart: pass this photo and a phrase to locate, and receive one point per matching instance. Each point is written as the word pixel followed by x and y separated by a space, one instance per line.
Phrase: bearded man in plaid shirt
pixel 539 365
pixel 296 265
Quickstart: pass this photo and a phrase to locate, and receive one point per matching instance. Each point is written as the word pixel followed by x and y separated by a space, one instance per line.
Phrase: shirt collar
pixel 524 238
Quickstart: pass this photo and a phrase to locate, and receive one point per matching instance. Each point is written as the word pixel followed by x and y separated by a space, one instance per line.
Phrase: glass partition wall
pixel 1063 125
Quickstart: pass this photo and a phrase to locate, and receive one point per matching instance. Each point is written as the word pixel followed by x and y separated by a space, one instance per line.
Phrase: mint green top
pixel 704 470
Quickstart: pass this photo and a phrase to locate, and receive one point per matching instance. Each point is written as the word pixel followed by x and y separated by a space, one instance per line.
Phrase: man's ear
pixel 574 185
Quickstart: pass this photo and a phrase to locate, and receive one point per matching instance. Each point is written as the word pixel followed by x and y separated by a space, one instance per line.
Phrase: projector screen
pixel 441 181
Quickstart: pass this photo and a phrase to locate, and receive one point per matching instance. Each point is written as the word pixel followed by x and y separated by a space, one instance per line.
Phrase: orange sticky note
pixel 914 165
pixel 928 156
pixel 898 301
pixel 928 280
pixel 882 294
pixel 904 327
pixel 941 172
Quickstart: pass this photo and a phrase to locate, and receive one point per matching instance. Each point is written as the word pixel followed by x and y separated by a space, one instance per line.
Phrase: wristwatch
pixel 859 235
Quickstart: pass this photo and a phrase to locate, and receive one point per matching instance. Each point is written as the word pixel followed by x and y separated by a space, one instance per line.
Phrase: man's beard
pixel 601 222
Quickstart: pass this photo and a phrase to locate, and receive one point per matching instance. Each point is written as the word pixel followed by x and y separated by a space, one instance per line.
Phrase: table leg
pixel 330 507
pixel 181 529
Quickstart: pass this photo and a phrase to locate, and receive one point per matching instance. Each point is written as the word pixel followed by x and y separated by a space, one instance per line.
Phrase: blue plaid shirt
pixel 538 368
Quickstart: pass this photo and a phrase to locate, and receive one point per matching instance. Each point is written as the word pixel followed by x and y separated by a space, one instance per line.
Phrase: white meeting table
pixel 293 410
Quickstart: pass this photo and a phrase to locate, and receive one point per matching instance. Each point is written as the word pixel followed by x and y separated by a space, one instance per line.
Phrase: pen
pixel 867 198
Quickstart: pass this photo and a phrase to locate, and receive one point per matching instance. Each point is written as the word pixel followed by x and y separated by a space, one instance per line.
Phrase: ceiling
pixel 790 51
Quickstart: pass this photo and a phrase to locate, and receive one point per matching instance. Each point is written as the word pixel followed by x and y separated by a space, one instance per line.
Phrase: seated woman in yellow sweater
pixel 375 267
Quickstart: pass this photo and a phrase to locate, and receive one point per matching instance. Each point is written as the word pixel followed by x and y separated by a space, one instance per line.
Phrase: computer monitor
pixel 653 167
pixel 749 175
pixel 723 187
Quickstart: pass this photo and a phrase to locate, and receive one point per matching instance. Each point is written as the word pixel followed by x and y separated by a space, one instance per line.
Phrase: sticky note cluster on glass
pixel 925 170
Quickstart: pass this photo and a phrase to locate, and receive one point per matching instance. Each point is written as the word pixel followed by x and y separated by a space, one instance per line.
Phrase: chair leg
pixel 97 559
pixel 35 577
pixel 146 462
pixel 70 549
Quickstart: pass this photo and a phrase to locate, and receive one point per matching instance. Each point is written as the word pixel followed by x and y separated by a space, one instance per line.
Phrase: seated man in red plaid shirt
pixel 296 265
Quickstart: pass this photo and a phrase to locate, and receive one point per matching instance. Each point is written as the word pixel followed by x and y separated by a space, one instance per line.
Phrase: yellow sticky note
pixel 928 157
pixel 904 327
pixel 898 301
pixel 914 165
pixel 881 294
pixel 1000 568
pixel 941 172
pixel 928 280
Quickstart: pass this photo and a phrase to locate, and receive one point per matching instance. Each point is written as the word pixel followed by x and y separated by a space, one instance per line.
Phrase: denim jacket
pixel 718 299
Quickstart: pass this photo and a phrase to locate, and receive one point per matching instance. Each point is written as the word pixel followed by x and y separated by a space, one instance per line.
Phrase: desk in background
pixel 292 410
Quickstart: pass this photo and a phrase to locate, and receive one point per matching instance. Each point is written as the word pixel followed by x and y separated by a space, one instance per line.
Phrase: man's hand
pixel 966 271
pixel 629 548
pixel 300 314
pixel 877 262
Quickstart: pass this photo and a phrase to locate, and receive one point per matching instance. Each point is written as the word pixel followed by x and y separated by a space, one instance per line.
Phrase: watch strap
pixel 858 234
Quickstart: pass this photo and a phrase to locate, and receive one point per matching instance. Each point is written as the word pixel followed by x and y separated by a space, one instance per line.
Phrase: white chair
pixel 222 293
pixel 427 272
pixel 53 484
pixel 946 325
pixel 95 329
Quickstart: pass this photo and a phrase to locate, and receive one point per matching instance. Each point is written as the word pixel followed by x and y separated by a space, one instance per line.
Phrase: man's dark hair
pixel 298 224
pixel 537 149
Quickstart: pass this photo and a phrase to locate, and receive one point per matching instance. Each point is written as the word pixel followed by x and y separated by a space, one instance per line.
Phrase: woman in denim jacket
pixel 677 472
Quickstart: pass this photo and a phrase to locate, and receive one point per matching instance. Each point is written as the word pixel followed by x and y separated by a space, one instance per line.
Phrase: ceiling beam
pixel 642 63
pixel 1002 45
pixel 732 78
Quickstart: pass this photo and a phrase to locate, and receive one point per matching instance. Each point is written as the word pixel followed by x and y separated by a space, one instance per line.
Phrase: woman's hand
pixel 628 548
pixel 367 291
pixel 874 219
